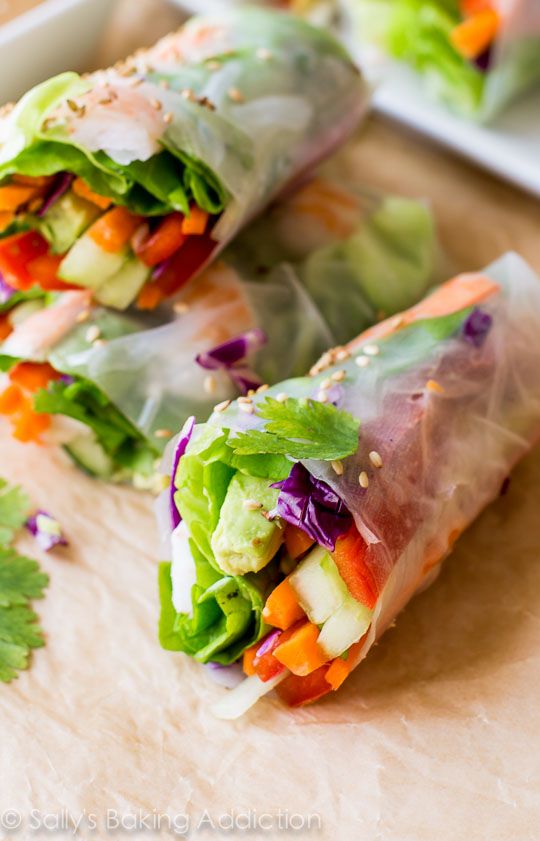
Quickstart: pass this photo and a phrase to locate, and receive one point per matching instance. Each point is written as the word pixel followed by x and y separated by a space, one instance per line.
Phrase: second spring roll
pixel 126 182
pixel 301 520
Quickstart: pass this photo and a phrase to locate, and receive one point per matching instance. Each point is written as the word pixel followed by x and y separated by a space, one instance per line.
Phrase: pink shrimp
pixel 44 329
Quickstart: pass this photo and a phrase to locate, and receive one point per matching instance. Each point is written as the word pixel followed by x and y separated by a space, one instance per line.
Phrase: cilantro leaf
pixel 13 658
pixel 18 626
pixel 20 578
pixel 14 507
pixel 300 429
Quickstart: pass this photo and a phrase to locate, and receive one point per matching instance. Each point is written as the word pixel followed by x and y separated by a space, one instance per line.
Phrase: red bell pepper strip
pixel 297 691
pixel 350 558
pixel 163 242
pixel 16 253
pixel 183 266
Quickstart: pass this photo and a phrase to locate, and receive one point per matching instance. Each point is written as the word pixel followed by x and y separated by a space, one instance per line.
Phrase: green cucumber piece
pixel 120 290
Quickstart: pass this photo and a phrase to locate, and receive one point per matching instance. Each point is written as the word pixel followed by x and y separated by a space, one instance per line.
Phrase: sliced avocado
pixel 318 585
pixel 121 289
pixel 86 264
pixel 66 220
pixel 88 454
pixel 244 540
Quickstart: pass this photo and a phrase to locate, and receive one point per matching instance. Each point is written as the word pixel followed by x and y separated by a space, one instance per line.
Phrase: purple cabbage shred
pixel 47 530
pixel 313 506
pixel 61 184
pixel 6 291
pixel 477 326
pixel 231 357
pixel 183 441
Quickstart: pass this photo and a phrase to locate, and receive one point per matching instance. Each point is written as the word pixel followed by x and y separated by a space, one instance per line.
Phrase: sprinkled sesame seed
pixel 263 387
pixel 180 307
pixel 162 433
pixel 168 118
pixel 398 321
pixel 337 467
pixel 371 350
pixel 236 95
pixel 92 334
pixel 375 459
pixel 187 93
pixel 222 406
pixel 327 383
pixel 210 384
pixel 245 399
pixel 252 505
pixel 156 105
pixel 362 361
pixel 433 385
pixel 338 376
pixel 249 408
pixel 100 343
pixel 322 397
pixel 282 397
pixel 83 316
pixel 342 354
pixel 363 479
pixel 72 106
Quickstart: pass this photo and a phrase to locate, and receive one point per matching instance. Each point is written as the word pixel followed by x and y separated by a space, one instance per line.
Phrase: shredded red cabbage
pixel 230 357
pixel 47 530
pixel 313 506
pixel 183 441
pixel 6 291
pixel 477 326
pixel 60 185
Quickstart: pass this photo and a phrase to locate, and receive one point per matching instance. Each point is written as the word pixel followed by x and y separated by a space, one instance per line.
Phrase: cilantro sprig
pixel 300 428
pixel 20 580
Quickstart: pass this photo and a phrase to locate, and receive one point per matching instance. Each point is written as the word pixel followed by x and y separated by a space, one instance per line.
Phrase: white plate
pixel 509 146
pixel 57 35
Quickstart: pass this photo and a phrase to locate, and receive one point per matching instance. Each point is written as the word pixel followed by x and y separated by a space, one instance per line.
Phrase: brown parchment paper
pixel 436 737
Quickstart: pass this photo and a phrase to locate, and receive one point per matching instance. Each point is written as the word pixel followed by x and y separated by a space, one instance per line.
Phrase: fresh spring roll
pixel 110 386
pixel 475 57
pixel 305 517
pixel 128 181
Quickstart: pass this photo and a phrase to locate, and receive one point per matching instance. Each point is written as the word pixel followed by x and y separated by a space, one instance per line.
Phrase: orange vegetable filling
pixel 473 37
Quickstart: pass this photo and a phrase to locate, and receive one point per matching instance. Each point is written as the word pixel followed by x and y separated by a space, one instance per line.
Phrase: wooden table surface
pixel 435 738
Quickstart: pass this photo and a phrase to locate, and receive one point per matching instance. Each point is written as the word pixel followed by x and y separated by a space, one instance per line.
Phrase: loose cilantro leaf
pixel 300 429
pixel 20 578
pixel 14 507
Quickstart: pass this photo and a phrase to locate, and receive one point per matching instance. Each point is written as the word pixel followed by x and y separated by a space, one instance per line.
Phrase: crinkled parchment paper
pixel 436 737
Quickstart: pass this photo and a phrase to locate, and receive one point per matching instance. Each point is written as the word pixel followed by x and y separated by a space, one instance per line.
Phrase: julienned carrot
pixel 196 222
pixel 12 400
pixel 340 669
pixel 81 189
pixel 5 327
pixel 350 559
pixel 163 242
pixel 301 653
pixel 33 375
pixel 149 297
pixel 248 659
pixel 114 229
pixel 12 196
pixel 472 37
pixel 282 609
pixel 32 180
pixel 28 425
pixel 297 541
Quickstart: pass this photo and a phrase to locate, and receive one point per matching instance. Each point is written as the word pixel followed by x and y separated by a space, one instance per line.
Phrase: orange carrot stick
pixel 282 609
pixel 301 653
pixel 81 189
pixel 297 541
pixel 196 222
pixel 472 37
pixel 114 229
pixel 33 375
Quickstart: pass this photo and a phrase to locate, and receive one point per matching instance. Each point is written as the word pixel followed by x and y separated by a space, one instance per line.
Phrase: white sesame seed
pixel 92 333
pixel 83 316
pixel 245 400
pixel 252 505
pixel 327 383
pixel 371 350
pixel 362 361
pixel 363 479
pixel 187 93
pixel 180 307
pixel 337 467
pixel 338 376
pixel 236 95
pixel 375 459
pixel 263 387
pixel 222 406
pixel 156 105
pixel 162 433
pixel 249 408
pixel 342 354
pixel 99 343
pixel 210 384
pixel 322 397
pixel 282 397
pixel 168 118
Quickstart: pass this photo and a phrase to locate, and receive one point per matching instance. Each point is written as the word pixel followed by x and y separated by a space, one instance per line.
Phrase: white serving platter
pixel 55 36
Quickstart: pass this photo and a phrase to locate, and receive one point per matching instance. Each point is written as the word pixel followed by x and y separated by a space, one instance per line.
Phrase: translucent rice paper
pixel 514 61
pixel 446 448
pixel 151 374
